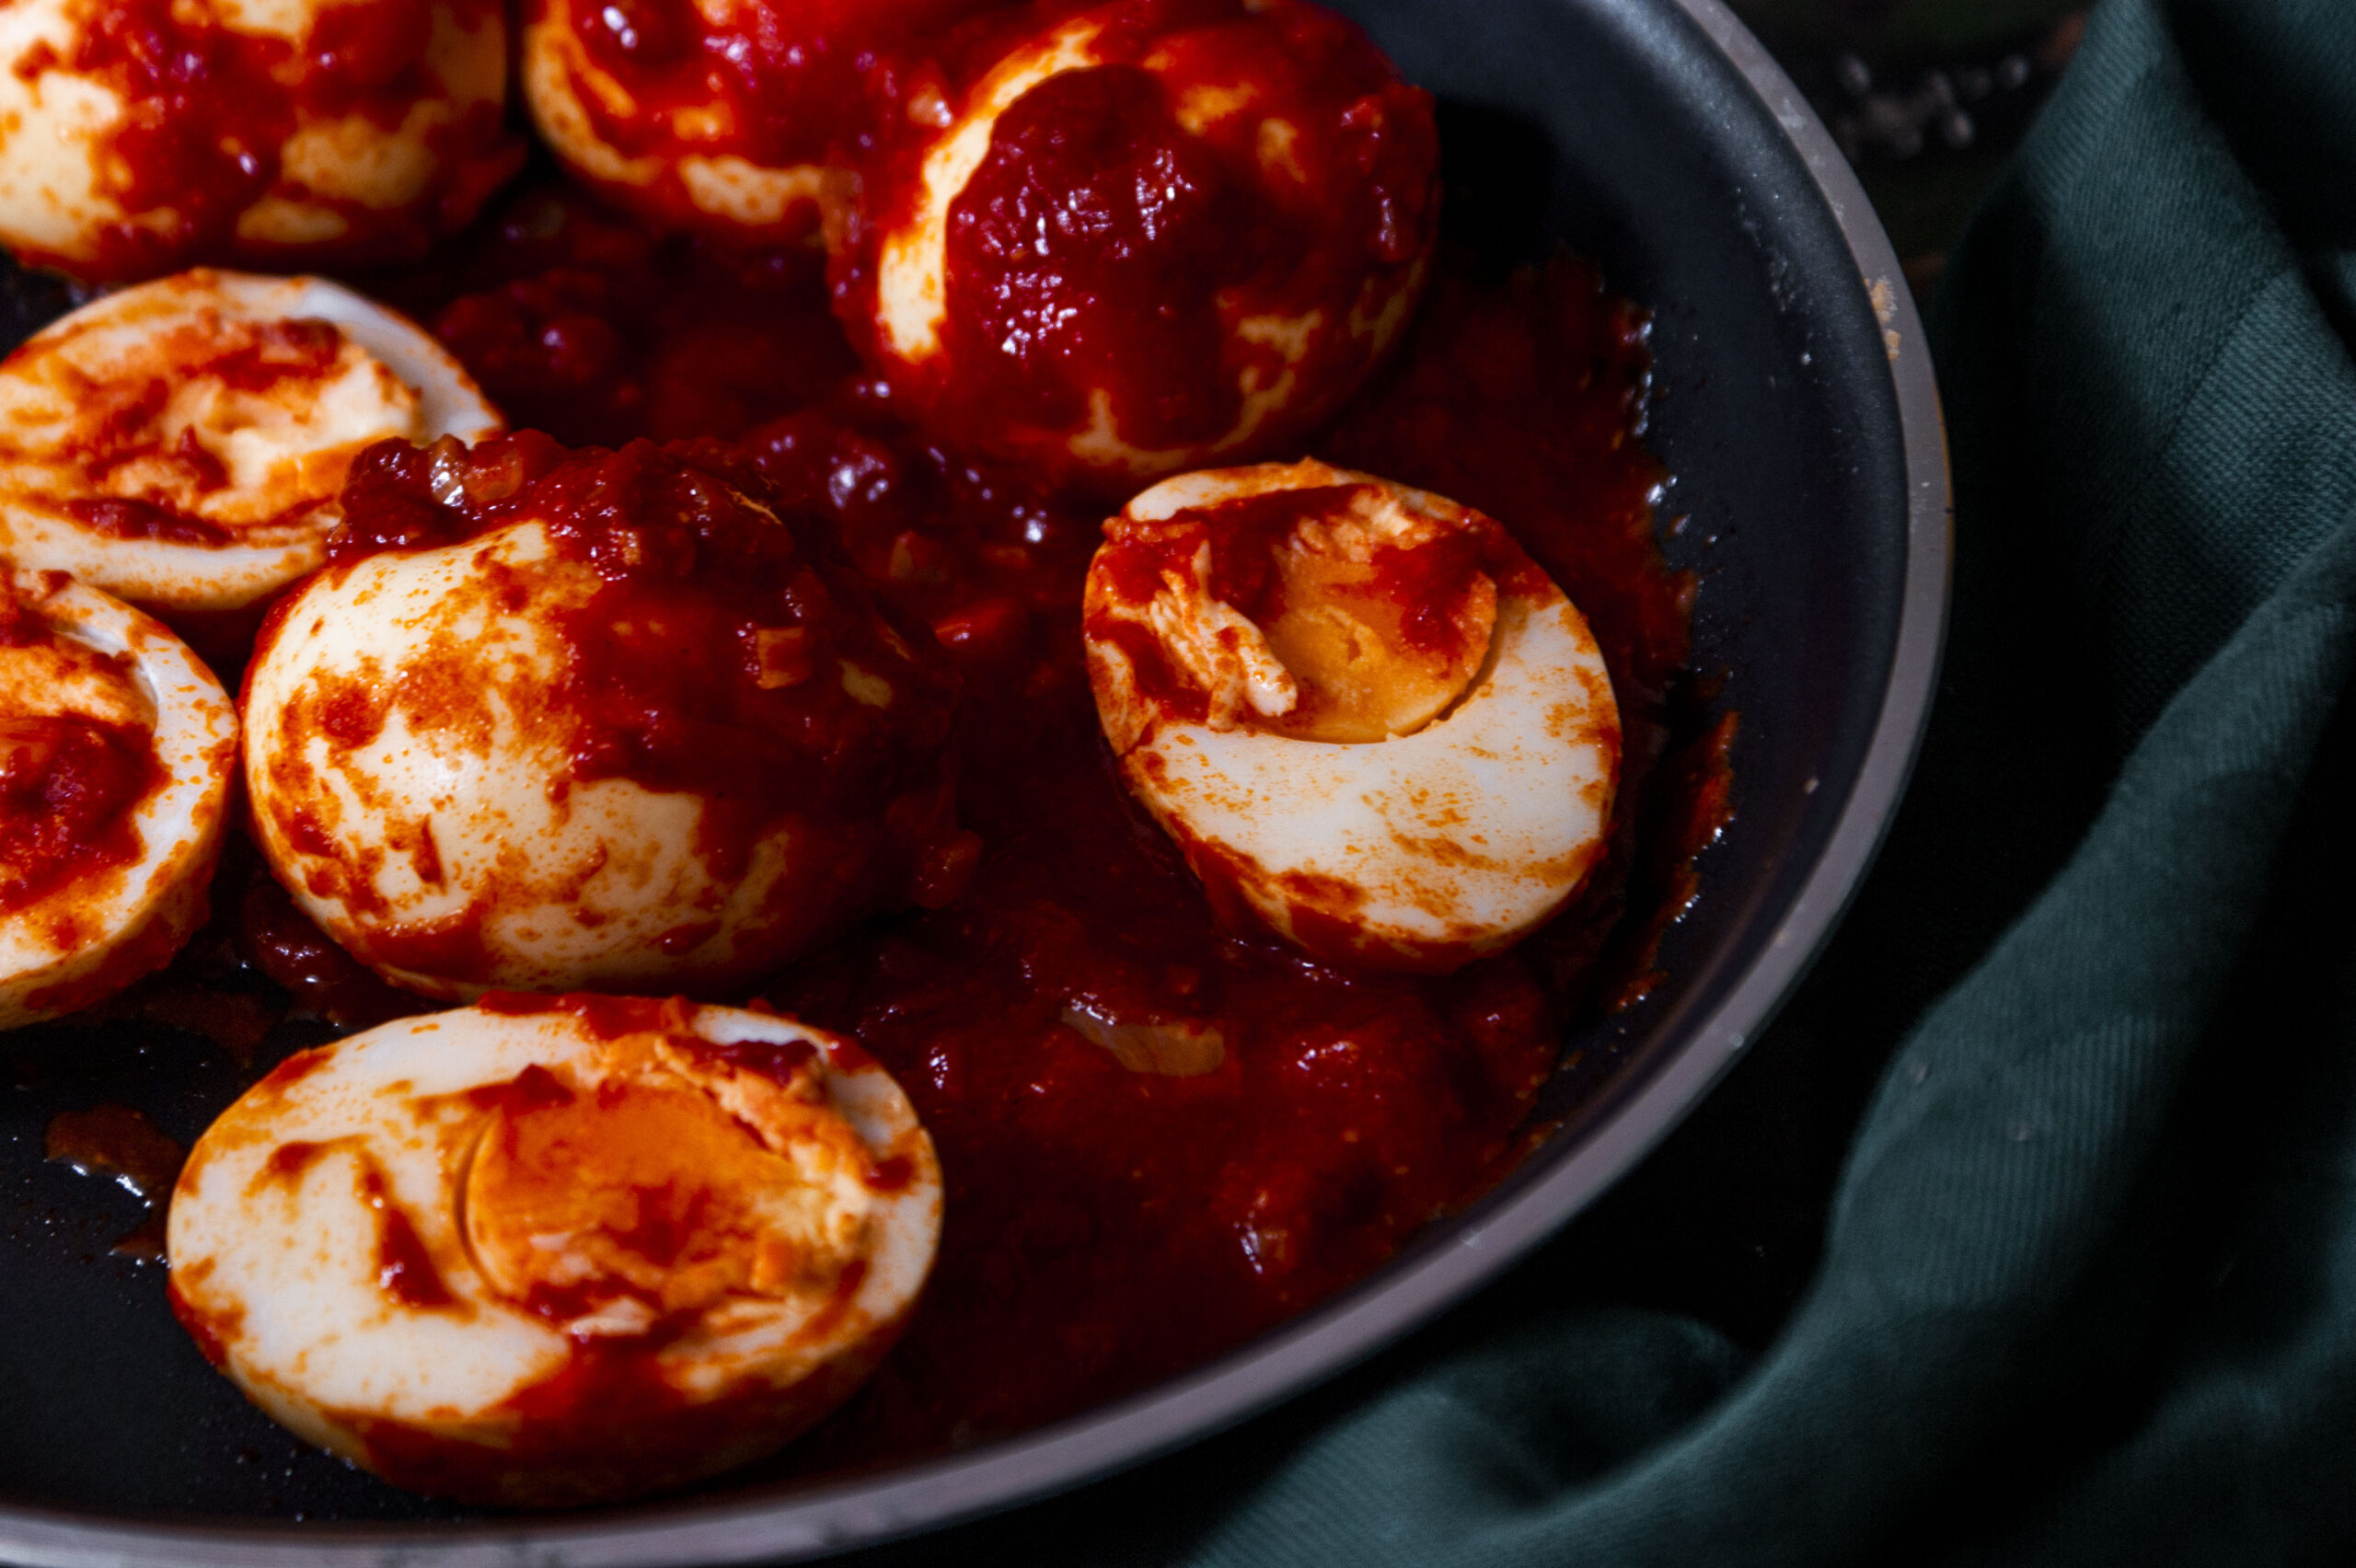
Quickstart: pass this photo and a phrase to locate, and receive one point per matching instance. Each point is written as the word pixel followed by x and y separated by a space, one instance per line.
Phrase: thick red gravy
pixel 69 786
pixel 1107 1227
pixel 1133 251
pixel 209 107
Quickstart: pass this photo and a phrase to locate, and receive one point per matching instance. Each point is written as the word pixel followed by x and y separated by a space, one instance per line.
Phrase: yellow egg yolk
pixel 640 1189
pixel 1371 622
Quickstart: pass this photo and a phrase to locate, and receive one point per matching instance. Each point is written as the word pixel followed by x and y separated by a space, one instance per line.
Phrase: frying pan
pixel 1795 406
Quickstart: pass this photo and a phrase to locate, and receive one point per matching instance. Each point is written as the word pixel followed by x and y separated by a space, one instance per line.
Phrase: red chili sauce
pixel 579 322
pixel 730 652
pixel 210 108
pixel 122 423
pixel 1106 1228
pixel 798 88
pixel 67 789
pixel 1228 179
pixel 1424 589
pixel 69 785
pixel 274 936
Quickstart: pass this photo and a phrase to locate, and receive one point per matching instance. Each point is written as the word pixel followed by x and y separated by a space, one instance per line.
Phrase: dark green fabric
pixel 2088 1286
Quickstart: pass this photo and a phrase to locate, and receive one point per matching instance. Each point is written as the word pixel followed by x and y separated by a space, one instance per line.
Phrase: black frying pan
pixel 1796 407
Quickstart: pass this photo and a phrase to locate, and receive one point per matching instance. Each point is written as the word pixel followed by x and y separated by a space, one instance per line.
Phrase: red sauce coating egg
pixel 595 719
pixel 181 442
pixel 1143 237
pixel 116 755
pixel 67 780
pixel 741 120
pixel 141 136
pixel 1373 722
pixel 557 1249
pixel 1167 1134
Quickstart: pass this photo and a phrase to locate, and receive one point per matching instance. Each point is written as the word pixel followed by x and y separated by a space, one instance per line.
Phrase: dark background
pixel 1926 96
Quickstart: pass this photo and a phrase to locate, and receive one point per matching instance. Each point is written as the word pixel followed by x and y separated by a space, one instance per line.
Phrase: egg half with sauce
pixel 607 720
pixel 742 122
pixel 138 136
pixel 555 1251
pixel 181 444
pixel 1147 238
pixel 118 750
pixel 1372 723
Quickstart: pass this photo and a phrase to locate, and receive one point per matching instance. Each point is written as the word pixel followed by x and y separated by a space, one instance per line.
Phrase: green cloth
pixel 2088 1291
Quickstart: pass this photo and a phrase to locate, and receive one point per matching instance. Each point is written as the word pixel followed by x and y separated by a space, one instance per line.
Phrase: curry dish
pixel 960 712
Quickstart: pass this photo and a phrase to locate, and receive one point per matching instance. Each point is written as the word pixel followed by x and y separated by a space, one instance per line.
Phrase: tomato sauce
pixel 1156 229
pixel 581 323
pixel 208 109
pixel 1160 1134
pixel 800 88
pixel 1108 1227
pixel 279 941
pixel 1202 238
pixel 69 785
pixel 728 651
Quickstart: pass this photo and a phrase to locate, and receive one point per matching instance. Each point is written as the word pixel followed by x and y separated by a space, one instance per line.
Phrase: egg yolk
pixel 1343 632
pixel 641 1192
pixel 1332 614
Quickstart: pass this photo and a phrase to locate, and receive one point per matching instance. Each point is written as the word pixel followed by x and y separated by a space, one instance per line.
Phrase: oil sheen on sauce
pixel 119 1142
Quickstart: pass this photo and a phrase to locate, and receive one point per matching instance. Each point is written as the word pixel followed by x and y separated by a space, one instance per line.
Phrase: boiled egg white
pixel 417 728
pixel 1407 761
pixel 692 175
pixel 743 124
pixel 85 676
pixel 181 444
pixel 1252 90
pixel 299 130
pixel 552 1250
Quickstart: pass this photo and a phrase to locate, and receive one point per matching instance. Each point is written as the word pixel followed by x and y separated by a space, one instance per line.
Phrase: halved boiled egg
pixel 551 1250
pixel 1370 720
pixel 138 136
pixel 734 121
pixel 181 444
pixel 636 727
pixel 117 753
pixel 1144 237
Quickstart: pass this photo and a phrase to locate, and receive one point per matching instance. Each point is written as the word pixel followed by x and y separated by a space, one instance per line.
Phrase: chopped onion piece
pixel 1171 1047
